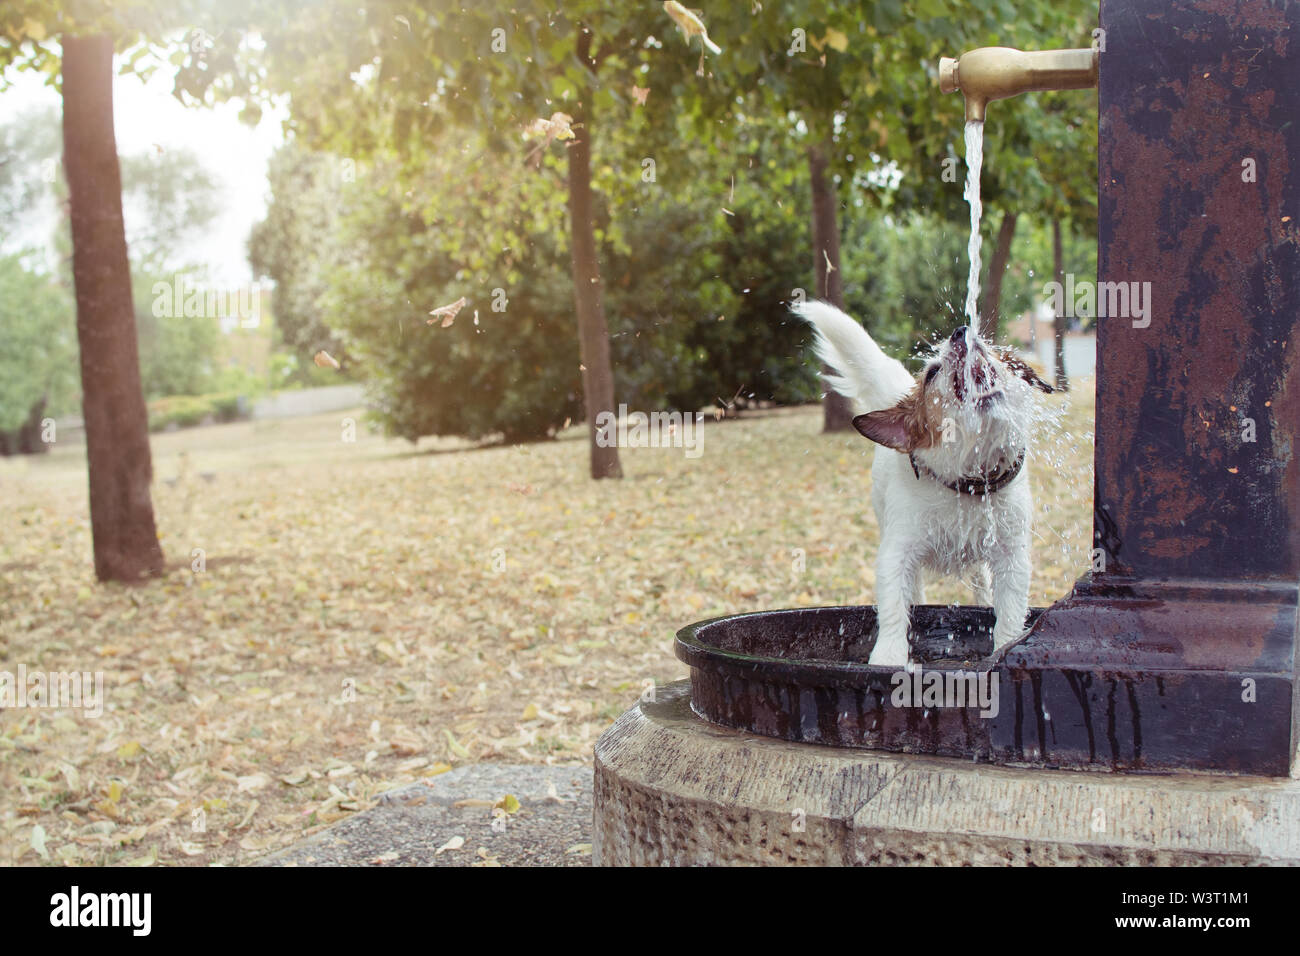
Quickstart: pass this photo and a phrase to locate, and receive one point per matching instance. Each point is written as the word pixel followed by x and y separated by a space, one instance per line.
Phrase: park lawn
pixel 372 614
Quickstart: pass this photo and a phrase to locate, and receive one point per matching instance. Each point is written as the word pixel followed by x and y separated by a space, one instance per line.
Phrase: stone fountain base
pixel 671 789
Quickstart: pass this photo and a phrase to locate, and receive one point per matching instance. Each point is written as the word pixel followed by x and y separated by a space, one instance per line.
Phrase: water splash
pixel 974 162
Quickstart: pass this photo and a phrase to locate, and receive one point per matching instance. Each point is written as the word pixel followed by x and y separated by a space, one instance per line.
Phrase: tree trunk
pixel 588 298
pixel 997 269
pixel 1058 268
pixel 117 433
pixel 837 414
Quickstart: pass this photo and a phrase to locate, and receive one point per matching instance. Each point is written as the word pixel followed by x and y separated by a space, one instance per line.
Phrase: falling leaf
pixel 455 843
pixel 447 312
pixel 691 25
pixel 559 126
pixel 836 40
pixel 639 93
pixel 325 360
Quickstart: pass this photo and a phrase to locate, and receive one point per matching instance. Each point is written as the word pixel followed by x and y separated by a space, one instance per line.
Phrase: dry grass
pixel 339 571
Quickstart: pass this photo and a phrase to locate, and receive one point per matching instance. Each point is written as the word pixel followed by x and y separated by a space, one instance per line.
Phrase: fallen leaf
pixel 38 842
pixel 406 744
pixel 509 803
pixel 128 750
pixel 455 745
pixel 254 781
pixel 455 843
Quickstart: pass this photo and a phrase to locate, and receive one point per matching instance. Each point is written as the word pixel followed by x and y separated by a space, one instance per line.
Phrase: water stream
pixel 974 161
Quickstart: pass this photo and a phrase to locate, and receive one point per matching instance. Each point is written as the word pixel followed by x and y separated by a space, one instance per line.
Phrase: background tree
pixel 492 68
pixel 694 297
pixel 117 438
pixel 120 466
pixel 168 199
pixel 294 244
pixel 37 353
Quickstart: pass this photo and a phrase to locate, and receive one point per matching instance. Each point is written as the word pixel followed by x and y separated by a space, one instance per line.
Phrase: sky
pixel 146 116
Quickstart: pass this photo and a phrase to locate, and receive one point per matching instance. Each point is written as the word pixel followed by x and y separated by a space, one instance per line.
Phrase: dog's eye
pixel 930 373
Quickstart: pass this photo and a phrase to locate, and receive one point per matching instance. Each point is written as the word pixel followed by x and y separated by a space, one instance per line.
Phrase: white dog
pixel 949 486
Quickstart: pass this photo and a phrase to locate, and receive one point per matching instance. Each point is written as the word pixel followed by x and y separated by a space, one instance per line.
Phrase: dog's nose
pixel 959 336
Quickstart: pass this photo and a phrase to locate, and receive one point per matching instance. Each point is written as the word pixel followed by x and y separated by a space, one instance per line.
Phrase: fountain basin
pixel 1070 694
pixel 802 675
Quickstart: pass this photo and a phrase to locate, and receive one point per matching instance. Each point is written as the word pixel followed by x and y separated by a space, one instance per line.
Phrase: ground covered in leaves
pixel 339 618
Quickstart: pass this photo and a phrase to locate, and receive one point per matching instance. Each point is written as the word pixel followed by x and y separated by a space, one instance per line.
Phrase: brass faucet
pixel 996 72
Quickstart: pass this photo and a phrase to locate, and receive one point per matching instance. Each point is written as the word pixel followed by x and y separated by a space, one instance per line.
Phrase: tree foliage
pixel 37 342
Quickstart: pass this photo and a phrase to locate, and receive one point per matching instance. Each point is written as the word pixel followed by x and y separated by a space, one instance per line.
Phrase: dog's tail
pixel 864 374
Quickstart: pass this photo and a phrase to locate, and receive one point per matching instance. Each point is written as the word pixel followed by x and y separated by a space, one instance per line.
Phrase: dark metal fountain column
pixel 1182 652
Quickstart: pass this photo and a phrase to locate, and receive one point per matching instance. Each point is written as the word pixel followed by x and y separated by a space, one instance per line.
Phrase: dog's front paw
pixel 1004 639
pixel 889 653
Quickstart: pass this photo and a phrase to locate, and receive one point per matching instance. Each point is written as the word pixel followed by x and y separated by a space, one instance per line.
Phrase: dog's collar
pixel 980 485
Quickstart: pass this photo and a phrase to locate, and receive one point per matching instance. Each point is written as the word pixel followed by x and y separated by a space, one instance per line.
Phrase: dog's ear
pixel 1020 367
pixel 888 427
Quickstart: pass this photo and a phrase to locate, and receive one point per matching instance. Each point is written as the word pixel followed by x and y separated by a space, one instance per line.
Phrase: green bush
pixel 186 411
